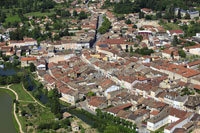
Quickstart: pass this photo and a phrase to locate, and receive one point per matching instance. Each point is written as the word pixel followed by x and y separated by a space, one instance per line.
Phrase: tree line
pixel 127 6
pixel 105 26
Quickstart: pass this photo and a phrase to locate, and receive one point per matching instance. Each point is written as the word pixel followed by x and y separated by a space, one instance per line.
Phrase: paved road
pixel 98 35
pixel 100 21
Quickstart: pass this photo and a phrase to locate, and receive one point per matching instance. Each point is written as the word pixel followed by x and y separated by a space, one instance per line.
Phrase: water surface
pixel 6 117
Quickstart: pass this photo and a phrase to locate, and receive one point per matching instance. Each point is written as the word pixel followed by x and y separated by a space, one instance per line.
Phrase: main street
pixel 99 23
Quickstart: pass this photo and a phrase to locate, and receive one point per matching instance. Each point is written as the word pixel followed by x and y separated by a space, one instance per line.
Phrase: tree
pixel 159 15
pixel 54 103
pixel 179 14
pixel 1 39
pixel 32 67
pixel 16 35
pixel 135 26
pixel 23 112
pixel 139 37
pixel 128 21
pixel 148 17
pixel 106 4
pixel 125 7
pixel 90 93
pixel 182 53
pixel 105 26
pixel 175 41
pixel 56 37
pixel 126 50
pixel 31 107
pixel 6 58
pixel 141 15
pixel 82 15
pixel 65 123
pixel 131 49
pixel 112 129
pixel 75 13
pixel 172 54
pixel 187 15
pixel 144 51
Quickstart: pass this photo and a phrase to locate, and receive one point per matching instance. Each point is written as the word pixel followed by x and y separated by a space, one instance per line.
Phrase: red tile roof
pixel 176 31
pixel 115 110
pixel 115 41
pixel 28 58
pixel 97 101
pixel 155 112
pixel 197 87
pixel 194 63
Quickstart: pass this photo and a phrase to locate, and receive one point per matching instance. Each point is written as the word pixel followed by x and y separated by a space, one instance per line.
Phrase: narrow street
pixel 99 23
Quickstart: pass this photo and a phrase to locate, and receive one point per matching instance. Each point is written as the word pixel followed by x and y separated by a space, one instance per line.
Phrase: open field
pixel 13 19
pixel 38 14
pixel 20 91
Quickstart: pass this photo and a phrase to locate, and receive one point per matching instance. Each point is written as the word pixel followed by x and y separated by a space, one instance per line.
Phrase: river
pixel 6 117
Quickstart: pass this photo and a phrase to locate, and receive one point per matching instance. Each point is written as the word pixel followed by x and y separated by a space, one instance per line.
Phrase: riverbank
pixel 14 96
pixel 20 97
pixel 8 123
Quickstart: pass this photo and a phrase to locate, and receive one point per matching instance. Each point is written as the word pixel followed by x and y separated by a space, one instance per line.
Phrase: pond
pixel 82 116
pixel 33 87
pixel 6 118
pixel 7 71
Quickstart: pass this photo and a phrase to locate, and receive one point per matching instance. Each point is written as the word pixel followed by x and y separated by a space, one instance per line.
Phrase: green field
pixel 38 14
pixel 9 92
pixel 13 19
pixel 21 92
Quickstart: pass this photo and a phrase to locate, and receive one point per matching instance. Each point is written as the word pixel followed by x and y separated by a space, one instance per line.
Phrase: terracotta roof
pixel 66 90
pixel 28 58
pixel 155 112
pixel 116 109
pixel 174 124
pixel 29 39
pixel 179 69
pixel 168 51
pixel 97 101
pixel 115 41
pixel 176 31
pixel 123 114
pixel 197 87
pixel 194 63
pixel 146 9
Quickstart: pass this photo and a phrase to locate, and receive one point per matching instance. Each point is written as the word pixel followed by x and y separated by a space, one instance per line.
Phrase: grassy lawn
pixel 46 116
pixel 38 115
pixel 9 92
pixel 38 14
pixel 171 26
pixel 13 19
pixel 22 121
pixel 20 91
pixel 64 103
pixel 15 122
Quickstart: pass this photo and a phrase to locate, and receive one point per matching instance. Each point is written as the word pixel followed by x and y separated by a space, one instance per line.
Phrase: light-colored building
pixel 174 117
pixel 69 95
pixel 26 61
